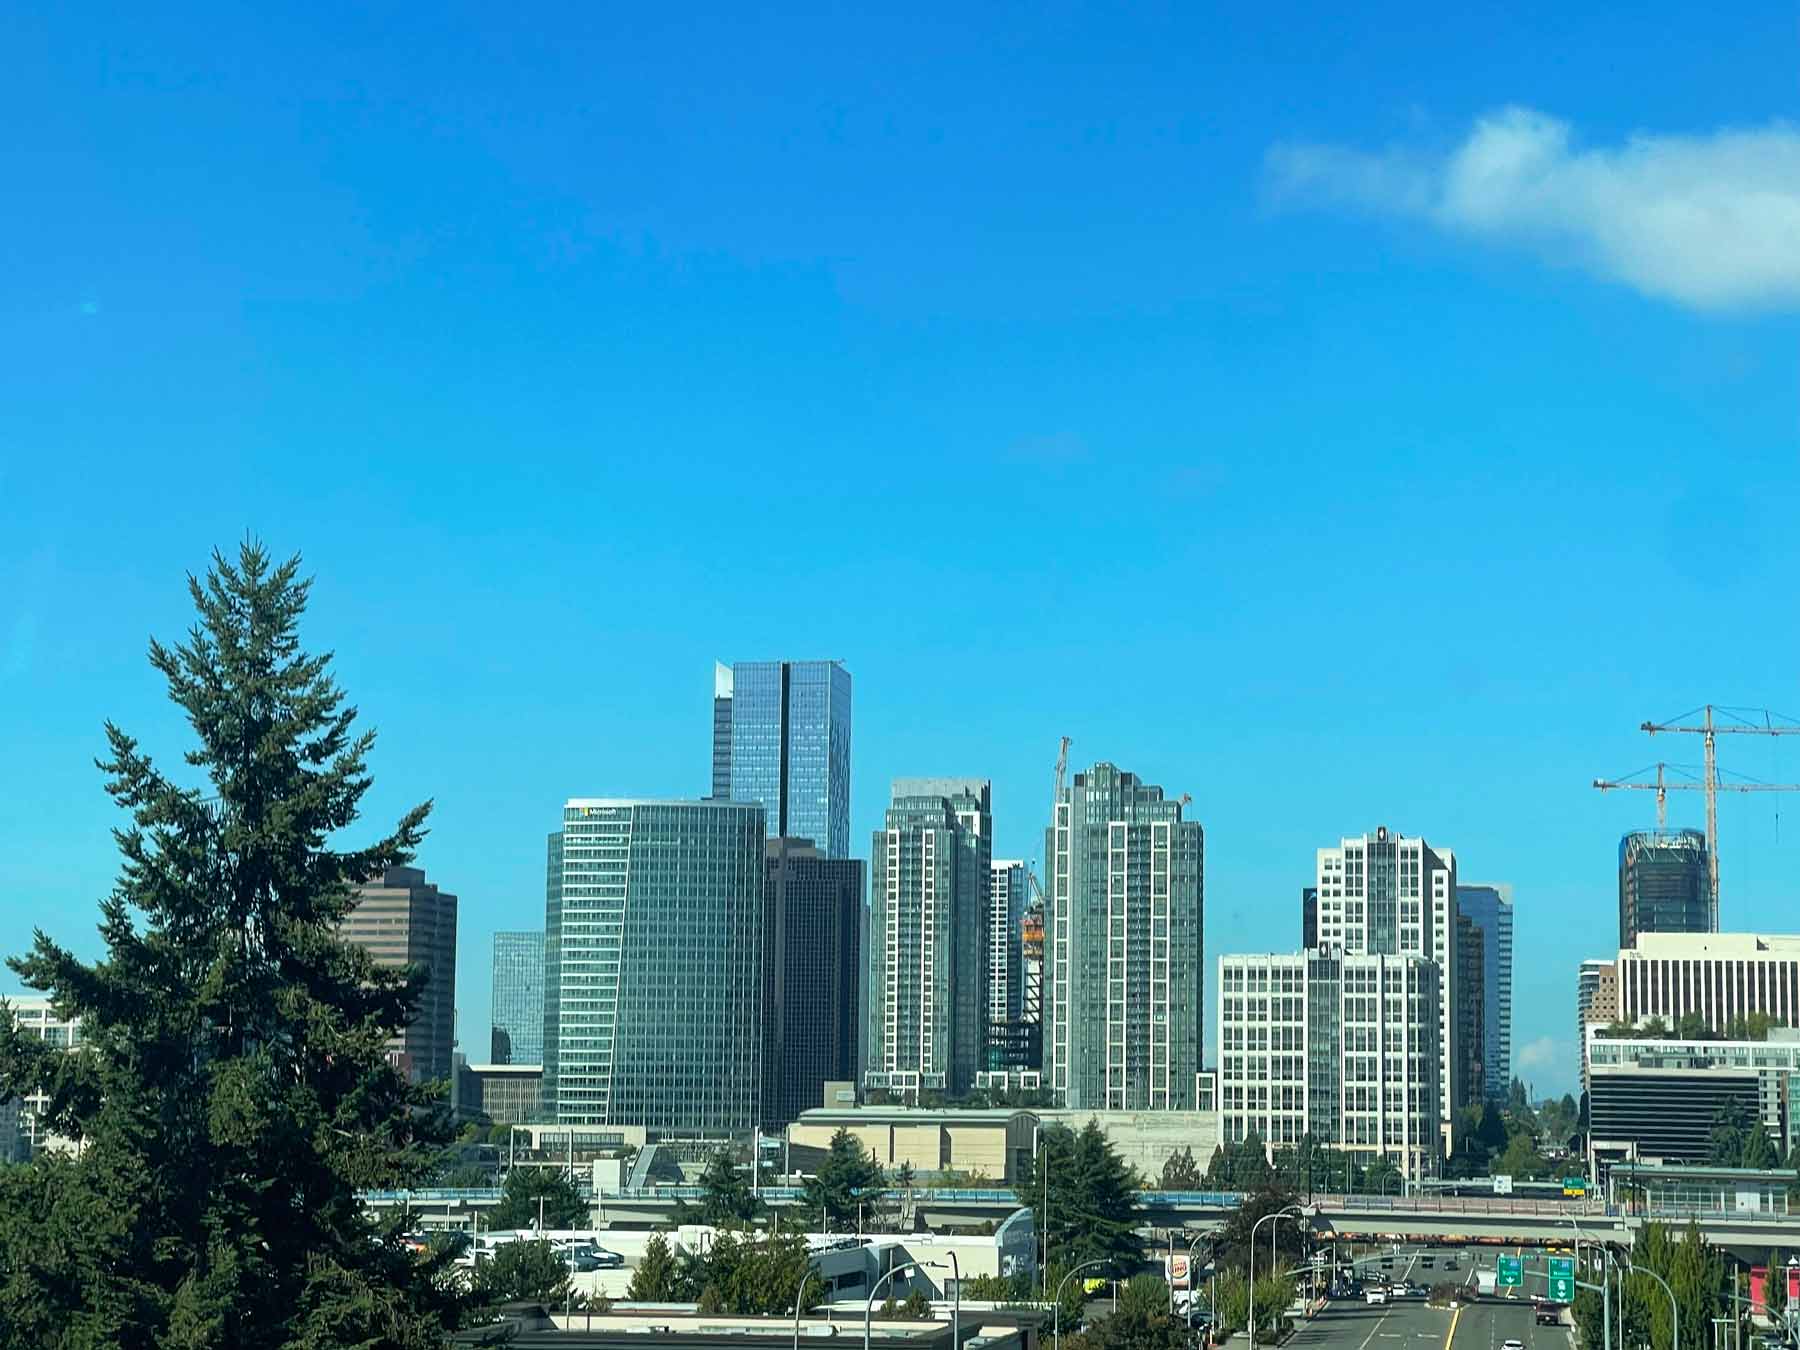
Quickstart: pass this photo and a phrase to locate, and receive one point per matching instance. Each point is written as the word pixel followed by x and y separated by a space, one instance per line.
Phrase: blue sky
pixel 1345 418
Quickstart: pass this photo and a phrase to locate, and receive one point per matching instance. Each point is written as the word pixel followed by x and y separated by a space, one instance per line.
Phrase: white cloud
pixel 1546 1052
pixel 1712 221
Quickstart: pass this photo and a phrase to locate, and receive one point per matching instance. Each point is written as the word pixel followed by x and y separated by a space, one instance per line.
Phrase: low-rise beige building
pixel 991 1145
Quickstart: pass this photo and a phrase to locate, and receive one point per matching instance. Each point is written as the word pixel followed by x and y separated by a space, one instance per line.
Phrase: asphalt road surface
pixel 1407 1324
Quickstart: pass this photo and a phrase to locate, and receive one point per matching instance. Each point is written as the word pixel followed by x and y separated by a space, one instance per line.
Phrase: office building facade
pixel 812 944
pixel 658 991
pixel 1342 1047
pixel 930 872
pixel 1471 982
pixel 1385 894
pixel 401 919
pixel 1309 917
pixel 24 1127
pixel 1719 977
pixel 1490 908
pixel 518 998
pixel 1664 884
pixel 553 874
pixel 1126 946
pixel 783 728
pixel 1008 898
pixel 1596 1004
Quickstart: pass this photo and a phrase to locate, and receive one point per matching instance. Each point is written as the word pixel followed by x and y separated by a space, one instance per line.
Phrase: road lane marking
pixel 1455 1317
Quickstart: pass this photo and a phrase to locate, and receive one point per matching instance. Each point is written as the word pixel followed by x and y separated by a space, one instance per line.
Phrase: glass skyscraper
pixel 1490 908
pixel 656 1001
pixel 1665 884
pixel 781 738
pixel 812 962
pixel 1126 942
pixel 518 1007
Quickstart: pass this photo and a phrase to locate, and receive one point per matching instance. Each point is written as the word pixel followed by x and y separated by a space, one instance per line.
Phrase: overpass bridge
pixel 1499 1220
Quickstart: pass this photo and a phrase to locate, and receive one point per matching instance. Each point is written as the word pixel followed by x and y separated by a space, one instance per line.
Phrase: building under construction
pixel 1663 884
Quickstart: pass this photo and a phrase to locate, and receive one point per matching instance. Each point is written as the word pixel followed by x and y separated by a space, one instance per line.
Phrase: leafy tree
pixel 1731 1124
pixel 526 1187
pixel 727 1198
pixel 1181 1172
pixel 658 1277
pixel 1692 1026
pixel 1233 1251
pixel 917 1307
pixel 1092 1198
pixel 1141 1322
pixel 521 1272
pixel 1521 1159
pixel 848 1177
pixel 1517 1099
pixel 904 1179
pixel 1775 1285
pixel 467 1176
pixel 1758 1151
pixel 233 1092
pixel 746 1274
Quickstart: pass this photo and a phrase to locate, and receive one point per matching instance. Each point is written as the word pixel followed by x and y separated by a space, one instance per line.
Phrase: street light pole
pixel 799 1294
pixel 869 1307
pixel 1290 1212
pixel 1056 1307
pixel 1674 1307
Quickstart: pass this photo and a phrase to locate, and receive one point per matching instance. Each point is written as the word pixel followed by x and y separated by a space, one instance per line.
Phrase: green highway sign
pixel 1562 1279
pixel 1574 1185
pixel 1511 1273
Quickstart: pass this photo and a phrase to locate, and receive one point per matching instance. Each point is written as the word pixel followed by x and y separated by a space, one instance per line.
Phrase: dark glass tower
pixel 1664 884
pixel 812 956
pixel 781 738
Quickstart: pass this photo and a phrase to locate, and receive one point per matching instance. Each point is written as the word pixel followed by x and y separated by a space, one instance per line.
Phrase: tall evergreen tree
pixel 549 1192
pixel 848 1177
pixel 232 1093
pixel 727 1199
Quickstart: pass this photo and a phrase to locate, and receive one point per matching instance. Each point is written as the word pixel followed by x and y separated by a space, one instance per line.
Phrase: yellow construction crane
pixel 1714 721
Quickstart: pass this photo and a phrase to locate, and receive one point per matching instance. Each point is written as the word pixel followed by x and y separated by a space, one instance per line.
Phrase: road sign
pixel 1502 1185
pixel 1574 1185
pixel 1562 1279
pixel 1511 1273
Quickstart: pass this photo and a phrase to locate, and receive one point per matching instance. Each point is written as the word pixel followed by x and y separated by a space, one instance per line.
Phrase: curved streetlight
pixel 869 1307
pixel 799 1294
pixel 1674 1307
pixel 955 1308
pixel 1056 1307
pixel 1291 1212
pixel 1606 1263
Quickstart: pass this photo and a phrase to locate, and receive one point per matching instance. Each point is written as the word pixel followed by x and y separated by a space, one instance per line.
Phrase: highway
pixel 1408 1324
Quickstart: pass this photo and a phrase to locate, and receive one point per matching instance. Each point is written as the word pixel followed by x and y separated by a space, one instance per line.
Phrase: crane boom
pixel 1763 723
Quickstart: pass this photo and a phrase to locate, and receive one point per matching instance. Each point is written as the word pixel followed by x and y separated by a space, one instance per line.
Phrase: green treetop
pixel 232 1093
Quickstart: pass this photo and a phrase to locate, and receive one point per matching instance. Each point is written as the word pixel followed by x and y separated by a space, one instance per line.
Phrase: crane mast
pixel 1727 722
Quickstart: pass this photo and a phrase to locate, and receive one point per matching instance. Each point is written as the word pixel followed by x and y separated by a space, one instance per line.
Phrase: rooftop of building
pixel 912 1115
pixel 1721 946
pixel 507 1070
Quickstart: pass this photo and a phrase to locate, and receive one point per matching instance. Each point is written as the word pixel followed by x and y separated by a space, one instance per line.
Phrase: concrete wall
pixel 1147 1139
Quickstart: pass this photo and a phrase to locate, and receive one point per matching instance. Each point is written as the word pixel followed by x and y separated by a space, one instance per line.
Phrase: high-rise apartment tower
pixel 1126 939
pixel 929 876
pixel 781 738
pixel 1384 894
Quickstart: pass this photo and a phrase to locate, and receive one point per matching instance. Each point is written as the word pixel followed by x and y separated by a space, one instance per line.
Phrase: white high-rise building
pixel 1007 899
pixel 1387 895
pixel 930 872
pixel 34 1014
pixel 1126 935
pixel 1342 1047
